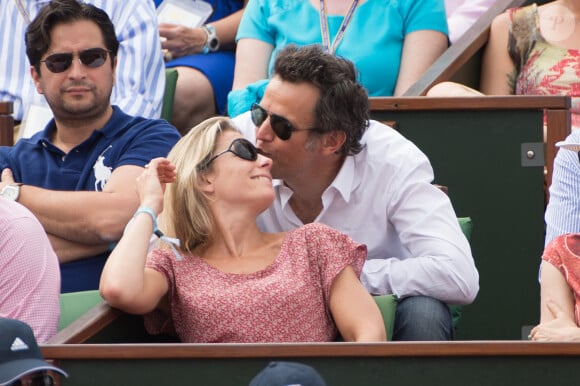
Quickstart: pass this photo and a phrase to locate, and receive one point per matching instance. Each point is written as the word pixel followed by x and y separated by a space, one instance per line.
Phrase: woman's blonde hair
pixel 186 214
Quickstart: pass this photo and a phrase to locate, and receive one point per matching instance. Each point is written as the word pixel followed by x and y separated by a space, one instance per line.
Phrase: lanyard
pixel 340 34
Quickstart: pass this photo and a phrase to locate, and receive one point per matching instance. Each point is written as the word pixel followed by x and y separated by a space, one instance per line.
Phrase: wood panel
pixel 6 124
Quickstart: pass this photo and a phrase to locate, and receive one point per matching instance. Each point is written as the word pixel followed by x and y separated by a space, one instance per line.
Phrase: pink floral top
pixel 542 68
pixel 288 301
pixel 564 253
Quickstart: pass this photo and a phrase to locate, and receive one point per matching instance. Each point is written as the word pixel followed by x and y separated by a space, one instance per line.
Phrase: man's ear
pixel 36 78
pixel 333 141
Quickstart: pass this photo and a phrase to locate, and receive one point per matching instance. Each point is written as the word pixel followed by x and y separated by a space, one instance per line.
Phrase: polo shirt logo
pixel 102 172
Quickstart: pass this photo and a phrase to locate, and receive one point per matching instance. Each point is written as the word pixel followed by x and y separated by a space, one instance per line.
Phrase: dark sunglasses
pixel 35 380
pixel 242 148
pixel 280 125
pixel 93 58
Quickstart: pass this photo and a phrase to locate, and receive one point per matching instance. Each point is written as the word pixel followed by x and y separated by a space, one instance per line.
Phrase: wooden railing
pixel 341 364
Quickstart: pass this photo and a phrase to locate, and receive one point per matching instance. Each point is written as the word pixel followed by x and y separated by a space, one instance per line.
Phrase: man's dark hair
pixel 64 12
pixel 343 104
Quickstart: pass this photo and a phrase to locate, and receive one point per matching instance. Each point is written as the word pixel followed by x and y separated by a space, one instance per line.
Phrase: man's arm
pixel 439 263
pixel 84 216
pixel 68 251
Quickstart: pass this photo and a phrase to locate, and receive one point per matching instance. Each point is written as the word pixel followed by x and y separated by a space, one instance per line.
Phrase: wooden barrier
pixel 341 364
pixel 6 124
pixel 491 154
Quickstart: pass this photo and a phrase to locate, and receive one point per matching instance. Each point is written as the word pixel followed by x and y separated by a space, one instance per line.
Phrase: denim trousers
pixel 422 318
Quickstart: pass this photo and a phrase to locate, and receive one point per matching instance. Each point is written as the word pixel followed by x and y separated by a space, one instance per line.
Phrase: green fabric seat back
pixel 169 94
pixel 75 304
pixel 388 306
pixel 466 226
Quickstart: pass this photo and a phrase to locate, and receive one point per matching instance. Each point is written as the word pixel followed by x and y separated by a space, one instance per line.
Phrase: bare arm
pixel 252 59
pixel 497 67
pixel 85 216
pixel 355 313
pixel 557 322
pixel 125 282
pixel 420 50
pixel 69 250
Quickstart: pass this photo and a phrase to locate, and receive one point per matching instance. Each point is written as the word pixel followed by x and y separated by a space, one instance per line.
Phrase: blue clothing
pixel 422 318
pixel 124 140
pixel 373 40
pixel 218 67
pixel 563 210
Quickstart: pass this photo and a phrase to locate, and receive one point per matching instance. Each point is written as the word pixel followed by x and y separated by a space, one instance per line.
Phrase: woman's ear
pixel 206 183
pixel 333 141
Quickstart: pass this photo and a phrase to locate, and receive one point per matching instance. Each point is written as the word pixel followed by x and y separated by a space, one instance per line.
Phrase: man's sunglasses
pixel 242 148
pixel 280 125
pixel 93 58
pixel 35 380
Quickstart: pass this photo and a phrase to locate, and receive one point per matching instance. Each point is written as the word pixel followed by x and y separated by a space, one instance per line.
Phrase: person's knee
pixel 451 89
pixel 422 318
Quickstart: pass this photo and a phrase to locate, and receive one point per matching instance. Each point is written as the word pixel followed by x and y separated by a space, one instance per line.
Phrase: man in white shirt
pixel 370 183
pixel 140 76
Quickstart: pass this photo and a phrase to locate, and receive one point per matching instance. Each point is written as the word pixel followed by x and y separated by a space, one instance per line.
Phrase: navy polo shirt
pixel 124 140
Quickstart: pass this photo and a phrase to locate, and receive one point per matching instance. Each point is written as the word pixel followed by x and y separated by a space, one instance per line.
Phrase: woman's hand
pixel 151 183
pixel 177 40
pixel 559 329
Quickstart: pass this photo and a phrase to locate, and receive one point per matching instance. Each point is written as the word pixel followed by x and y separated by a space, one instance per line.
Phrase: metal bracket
pixel 532 154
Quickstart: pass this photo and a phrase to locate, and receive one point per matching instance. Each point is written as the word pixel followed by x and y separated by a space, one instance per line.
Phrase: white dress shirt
pixel 384 197
pixel 140 77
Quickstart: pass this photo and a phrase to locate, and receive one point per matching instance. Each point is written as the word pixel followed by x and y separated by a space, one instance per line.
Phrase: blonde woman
pixel 228 281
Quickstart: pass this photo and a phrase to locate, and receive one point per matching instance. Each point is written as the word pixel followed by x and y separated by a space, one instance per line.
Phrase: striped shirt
pixel 140 78
pixel 563 211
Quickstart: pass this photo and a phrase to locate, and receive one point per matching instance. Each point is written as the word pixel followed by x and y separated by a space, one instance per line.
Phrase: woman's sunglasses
pixel 93 58
pixel 242 148
pixel 281 126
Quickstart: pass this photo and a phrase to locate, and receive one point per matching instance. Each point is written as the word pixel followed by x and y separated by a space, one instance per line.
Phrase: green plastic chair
pixel 169 94
pixel 75 304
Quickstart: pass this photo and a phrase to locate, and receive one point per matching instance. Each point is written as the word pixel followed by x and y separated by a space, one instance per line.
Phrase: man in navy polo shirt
pixel 78 175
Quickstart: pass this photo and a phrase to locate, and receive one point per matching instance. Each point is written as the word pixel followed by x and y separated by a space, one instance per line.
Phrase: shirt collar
pixel 111 128
pixel 345 182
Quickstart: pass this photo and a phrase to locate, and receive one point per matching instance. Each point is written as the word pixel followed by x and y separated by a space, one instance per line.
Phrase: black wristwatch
pixel 212 44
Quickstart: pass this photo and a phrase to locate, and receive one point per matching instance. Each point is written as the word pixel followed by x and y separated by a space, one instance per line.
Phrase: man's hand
pixel 7 178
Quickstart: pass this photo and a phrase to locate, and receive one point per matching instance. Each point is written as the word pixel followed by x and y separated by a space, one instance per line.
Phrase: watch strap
pixel 212 42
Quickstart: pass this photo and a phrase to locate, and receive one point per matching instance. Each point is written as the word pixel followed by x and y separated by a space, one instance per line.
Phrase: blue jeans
pixel 422 318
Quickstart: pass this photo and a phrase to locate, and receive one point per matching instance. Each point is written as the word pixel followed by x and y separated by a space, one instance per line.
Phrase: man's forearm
pixel 68 251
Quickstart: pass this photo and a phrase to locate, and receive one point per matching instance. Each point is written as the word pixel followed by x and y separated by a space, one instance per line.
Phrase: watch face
pixel 213 44
pixel 10 192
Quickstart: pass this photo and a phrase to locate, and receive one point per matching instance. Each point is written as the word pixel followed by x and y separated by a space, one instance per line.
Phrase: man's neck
pixel 72 132
pixel 306 201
